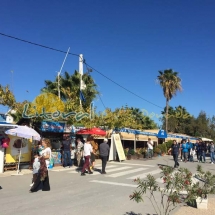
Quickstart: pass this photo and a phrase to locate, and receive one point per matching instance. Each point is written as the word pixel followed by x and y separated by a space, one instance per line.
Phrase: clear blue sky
pixel 128 41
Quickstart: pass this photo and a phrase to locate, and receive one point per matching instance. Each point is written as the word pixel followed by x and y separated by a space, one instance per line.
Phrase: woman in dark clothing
pixel 175 152
pixel 42 178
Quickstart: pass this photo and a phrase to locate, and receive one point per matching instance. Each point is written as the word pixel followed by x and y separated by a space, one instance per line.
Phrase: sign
pixel 162 134
pixel 116 146
pixel 52 126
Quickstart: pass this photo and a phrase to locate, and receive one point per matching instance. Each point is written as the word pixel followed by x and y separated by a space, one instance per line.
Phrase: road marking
pixel 65 169
pixel 114 183
pixel 132 164
pixel 145 174
pixel 113 170
pixel 126 173
pixel 76 171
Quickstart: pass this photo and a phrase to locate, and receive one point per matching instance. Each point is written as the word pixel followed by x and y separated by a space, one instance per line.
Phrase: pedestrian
pixel 104 151
pixel 175 152
pixel 93 153
pixel 42 177
pixel 203 150
pixel 87 153
pixel 185 150
pixel 192 153
pixel 66 144
pixel 36 167
pixel 190 145
pixel 211 150
pixel 79 152
pixel 73 154
pixel 150 145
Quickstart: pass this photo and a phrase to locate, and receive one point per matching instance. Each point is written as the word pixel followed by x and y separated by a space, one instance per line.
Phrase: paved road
pixel 92 194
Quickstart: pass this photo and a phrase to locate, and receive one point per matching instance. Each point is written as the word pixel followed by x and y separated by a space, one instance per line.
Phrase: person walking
pixel 204 151
pixel 43 176
pixel 150 145
pixel 66 144
pixel 211 150
pixel 104 151
pixel 87 153
pixel 185 150
pixel 79 152
pixel 175 152
pixel 190 146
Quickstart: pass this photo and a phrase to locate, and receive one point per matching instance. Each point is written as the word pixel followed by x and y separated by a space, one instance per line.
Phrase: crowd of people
pixel 189 152
pixel 83 156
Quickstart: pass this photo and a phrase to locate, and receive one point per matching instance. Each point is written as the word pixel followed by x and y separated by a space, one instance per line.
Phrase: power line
pixel 84 61
pixel 36 44
pixel 122 86
pixel 102 101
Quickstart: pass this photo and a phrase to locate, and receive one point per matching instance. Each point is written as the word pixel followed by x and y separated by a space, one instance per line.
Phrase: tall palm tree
pixel 171 84
pixel 70 88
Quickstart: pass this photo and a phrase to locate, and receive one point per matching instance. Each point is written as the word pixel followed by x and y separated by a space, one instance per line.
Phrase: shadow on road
pixel 133 213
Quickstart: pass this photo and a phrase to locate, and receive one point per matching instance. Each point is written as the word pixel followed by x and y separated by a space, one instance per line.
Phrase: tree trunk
pixel 167 116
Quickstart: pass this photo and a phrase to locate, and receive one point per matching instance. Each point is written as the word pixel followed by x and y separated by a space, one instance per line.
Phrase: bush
pixel 177 189
pixel 157 150
pixel 162 147
pixel 131 152
pixel 169 144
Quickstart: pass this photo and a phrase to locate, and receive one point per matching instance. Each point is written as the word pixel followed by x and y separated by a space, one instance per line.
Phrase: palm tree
pixel 70 88
pixel 171 83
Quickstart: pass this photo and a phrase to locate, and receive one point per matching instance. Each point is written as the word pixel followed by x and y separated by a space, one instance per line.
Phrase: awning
pixel 206 139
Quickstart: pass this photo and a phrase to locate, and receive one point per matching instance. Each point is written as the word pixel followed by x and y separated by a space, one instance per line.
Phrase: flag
pixel 82 97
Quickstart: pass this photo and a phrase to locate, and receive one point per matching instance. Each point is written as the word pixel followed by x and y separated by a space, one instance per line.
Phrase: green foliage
pixel 162 147
pixel 178 188
pixel 131 152
pixel 157 150
pixel 169 144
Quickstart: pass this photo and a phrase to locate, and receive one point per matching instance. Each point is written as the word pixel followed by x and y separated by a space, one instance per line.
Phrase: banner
pixel 52 126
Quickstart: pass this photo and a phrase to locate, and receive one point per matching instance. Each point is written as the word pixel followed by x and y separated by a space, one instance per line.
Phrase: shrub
pixel 178 188
pixel 157 150
pixel 162 147
pixel 131 152
pixel 169 144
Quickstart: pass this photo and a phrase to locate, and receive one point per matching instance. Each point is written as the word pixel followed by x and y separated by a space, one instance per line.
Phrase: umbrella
pixel 24 132
pixel 92 131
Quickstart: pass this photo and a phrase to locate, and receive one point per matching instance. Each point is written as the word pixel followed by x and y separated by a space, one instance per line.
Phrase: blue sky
pixel 127 41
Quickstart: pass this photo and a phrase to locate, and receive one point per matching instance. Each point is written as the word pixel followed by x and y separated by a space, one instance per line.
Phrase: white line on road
pixel 125 173
pixel 132 164
pixel 113 170
pixel 145 174
pixel 114 183
pixel 75 171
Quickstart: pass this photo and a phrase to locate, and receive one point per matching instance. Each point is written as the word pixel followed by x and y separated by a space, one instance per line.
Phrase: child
pixel 192 153
pixel 36 167
pixel 73 151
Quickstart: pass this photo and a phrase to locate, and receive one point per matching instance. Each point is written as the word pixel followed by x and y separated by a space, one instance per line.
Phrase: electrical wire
pixel 87 65
pixel 36 44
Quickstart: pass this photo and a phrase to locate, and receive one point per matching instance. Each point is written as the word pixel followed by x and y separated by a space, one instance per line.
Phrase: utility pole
pixel 58 74
pixel 81 63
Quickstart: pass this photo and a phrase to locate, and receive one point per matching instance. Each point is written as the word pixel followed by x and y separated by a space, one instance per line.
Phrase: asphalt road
pixel 91 194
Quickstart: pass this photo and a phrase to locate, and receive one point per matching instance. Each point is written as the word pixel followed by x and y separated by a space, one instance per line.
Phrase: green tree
pixel 7 98
pixel 70 89
pixel 171 83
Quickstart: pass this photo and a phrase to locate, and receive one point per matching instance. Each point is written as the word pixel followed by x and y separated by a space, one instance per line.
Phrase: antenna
pixel 58 74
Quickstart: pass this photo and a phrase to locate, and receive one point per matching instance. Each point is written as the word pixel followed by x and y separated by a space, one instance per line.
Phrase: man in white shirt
pixel 150 145
pixel 87 152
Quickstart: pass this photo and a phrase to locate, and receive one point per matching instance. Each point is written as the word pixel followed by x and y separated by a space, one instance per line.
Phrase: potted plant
pixel 131 152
